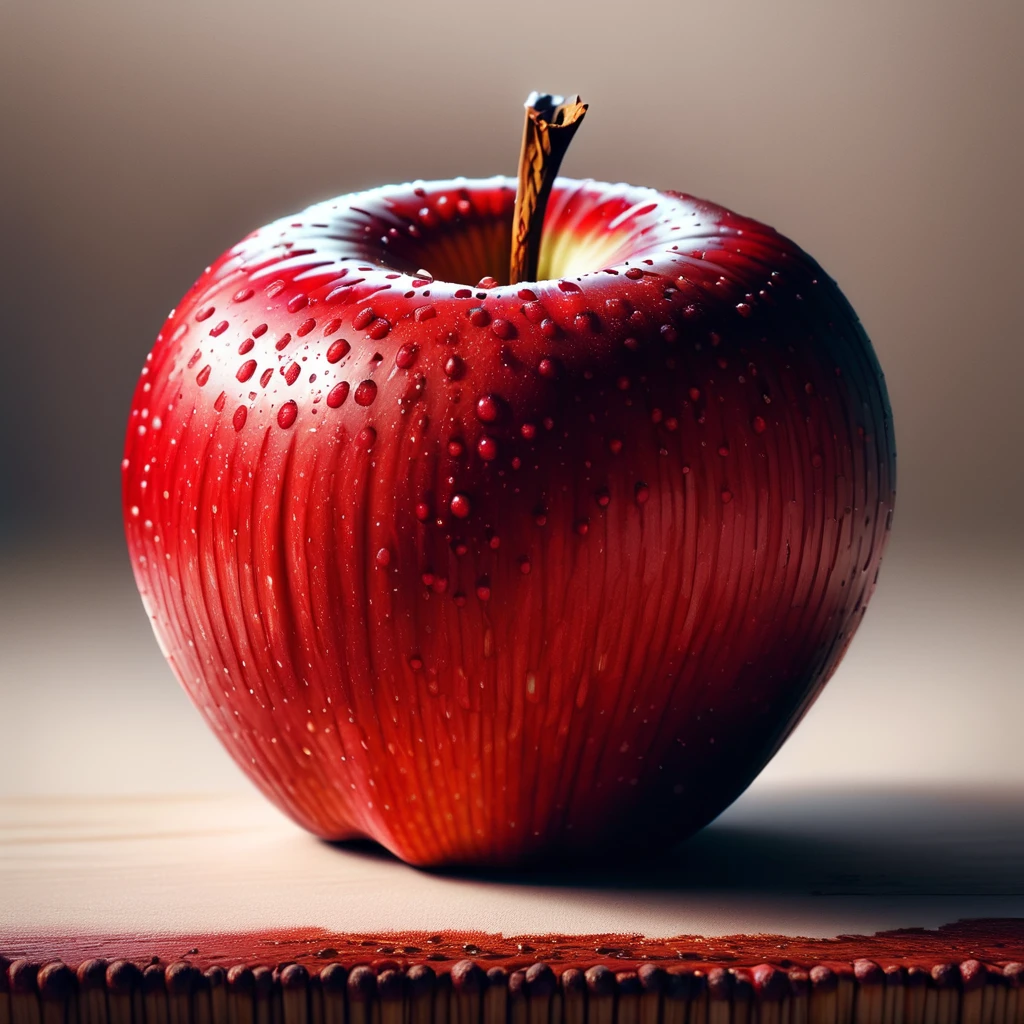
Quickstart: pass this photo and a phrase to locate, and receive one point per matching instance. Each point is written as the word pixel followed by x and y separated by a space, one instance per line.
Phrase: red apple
pixel 489 572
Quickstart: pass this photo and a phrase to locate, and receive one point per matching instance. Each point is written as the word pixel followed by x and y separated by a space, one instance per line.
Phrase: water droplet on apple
pixel 460 506
pixel 379 328
pixel 337 395
pixel 488 408
pixel 286 415
pixel 338 350
pixel 533 310
pixel 364 318
pixel 406 356
pixel 366 392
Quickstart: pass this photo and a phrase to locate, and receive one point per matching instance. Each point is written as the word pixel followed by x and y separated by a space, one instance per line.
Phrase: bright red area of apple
pixel 496 573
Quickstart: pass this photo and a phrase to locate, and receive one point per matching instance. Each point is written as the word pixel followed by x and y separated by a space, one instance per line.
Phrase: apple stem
pixel 551 122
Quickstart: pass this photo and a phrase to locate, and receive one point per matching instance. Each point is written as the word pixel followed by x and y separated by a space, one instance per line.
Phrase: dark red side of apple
pixel 494 573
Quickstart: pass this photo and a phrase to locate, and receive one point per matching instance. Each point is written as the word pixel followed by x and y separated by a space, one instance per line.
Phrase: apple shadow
pixel 823 841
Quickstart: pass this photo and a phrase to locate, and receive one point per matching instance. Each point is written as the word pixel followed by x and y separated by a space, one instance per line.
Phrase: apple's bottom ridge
pixel 970 972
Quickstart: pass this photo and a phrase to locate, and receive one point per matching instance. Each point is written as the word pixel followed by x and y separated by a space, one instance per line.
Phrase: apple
pixel 488 571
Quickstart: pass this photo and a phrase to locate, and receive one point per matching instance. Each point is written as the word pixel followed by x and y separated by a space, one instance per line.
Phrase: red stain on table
pixel 996 941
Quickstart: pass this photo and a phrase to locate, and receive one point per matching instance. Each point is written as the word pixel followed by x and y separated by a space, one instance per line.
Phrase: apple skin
pixel 497 574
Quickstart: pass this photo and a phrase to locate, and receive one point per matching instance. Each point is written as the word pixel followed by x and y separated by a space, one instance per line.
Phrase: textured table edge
pixel 969 972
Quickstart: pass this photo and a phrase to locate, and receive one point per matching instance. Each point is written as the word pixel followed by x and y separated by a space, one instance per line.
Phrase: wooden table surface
pixel 795 860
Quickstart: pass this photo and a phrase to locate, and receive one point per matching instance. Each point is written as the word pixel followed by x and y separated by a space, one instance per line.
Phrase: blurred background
pixel 139 139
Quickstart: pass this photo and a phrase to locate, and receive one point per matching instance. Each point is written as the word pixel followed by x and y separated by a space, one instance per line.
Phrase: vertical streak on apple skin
pixel 493 573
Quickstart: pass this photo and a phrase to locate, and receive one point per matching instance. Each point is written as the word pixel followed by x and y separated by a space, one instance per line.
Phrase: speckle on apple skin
pixel 516 552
